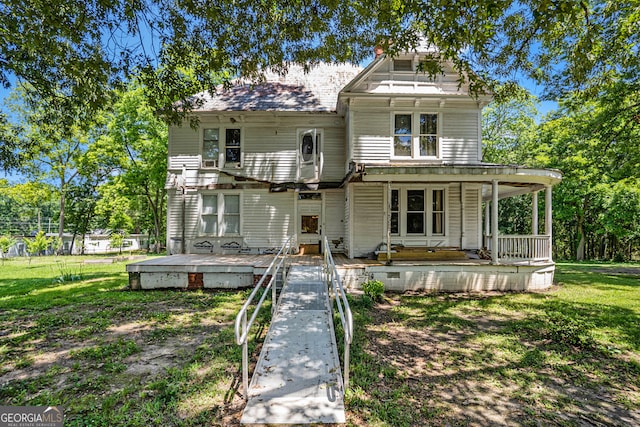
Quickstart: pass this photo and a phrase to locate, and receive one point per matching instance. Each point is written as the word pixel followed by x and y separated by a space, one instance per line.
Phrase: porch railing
pixel 277 266
pixel 522 247
pixel 340 298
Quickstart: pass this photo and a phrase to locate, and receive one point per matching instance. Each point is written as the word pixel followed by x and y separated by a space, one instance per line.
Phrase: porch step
pixel 422 254
pixel 297 379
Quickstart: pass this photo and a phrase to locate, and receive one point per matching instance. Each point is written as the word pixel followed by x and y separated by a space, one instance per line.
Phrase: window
pixel 428 135
pixel 212 146
pixel 395 211
pixel 402 65
pixel 232 142
pixel 402 136
pixel 437 212
pixel 415 135
pixel 209 215
pixel 220 215
pixel 309 224
pixel 417 212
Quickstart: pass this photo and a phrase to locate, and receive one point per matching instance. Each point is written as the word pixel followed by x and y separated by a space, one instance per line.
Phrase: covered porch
pixel 472 224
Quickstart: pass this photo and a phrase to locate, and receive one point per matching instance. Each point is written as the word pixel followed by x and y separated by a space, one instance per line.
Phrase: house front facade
pixel 382 161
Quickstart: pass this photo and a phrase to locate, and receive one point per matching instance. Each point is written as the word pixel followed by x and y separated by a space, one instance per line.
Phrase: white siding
pixel 270 154
pixel 371 136
pixel 454 217
pixel 348 227
pixel 460 137
pixel 333 155
pixel 334 224
pixel 267 218
pixel 184 147
pixel 368 219
pixel 472 217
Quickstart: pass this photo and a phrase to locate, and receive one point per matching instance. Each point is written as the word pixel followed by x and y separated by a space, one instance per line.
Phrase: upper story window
pixel 221 147
pixel 402 65
pixel 415 135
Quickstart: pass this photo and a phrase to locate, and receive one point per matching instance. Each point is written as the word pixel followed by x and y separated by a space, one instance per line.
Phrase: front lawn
pixel 73 335
pixel 568 356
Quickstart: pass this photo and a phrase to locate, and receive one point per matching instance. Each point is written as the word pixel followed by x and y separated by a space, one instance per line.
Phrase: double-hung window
pixel 220 214
pixel 415 135
pixel 417 211
pixel 221 147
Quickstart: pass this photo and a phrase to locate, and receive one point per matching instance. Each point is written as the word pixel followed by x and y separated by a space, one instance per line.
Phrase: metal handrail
pixel 242 326
pixel 340 297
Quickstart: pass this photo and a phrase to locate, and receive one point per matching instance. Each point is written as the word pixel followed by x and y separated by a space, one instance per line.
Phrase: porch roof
pixel 513 179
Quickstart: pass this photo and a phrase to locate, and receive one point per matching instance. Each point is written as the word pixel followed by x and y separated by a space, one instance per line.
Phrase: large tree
pixel 136 141
pixel 81 49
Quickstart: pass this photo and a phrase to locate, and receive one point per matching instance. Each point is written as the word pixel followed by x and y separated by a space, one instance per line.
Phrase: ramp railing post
pixel 245 357
pixel 342 303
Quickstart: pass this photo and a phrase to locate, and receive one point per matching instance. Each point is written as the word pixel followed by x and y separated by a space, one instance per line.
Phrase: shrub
pixel 374 289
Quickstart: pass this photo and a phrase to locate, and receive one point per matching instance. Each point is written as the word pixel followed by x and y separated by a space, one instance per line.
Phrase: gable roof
pixel 313 91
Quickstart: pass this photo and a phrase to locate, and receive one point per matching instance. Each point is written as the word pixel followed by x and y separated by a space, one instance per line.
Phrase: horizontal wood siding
pixel 334 225
pixel 472 218
pixel 368 222
pixel 333 155
pixel 455 219
pixel 270 154
pixel 267 218
pixel 460 137
pixel 371 136
pixel 348 192
pixel 184 141
pixel 192 215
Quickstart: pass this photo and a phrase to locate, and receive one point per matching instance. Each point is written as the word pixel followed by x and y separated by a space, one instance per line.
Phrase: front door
pixel 310 222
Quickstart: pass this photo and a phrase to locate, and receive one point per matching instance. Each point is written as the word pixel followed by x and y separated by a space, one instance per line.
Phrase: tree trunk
pixel 582 241
pixel 60 249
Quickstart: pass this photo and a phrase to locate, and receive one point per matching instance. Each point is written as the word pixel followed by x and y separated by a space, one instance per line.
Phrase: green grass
pixel 73 335
pixel 567 356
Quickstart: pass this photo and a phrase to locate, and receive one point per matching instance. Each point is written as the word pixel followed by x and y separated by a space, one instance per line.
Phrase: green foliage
pixel 89 48
pixel 38 244
pixel 374 289
pixel 68 272
pixel 5 244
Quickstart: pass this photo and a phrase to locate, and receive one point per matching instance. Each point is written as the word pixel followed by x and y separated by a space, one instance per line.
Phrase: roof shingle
pixel 313 91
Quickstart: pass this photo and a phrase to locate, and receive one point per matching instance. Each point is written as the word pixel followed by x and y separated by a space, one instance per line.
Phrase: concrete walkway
pixel 297 379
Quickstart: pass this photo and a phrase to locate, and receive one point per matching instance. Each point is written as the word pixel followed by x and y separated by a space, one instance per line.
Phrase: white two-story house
pixel 382 161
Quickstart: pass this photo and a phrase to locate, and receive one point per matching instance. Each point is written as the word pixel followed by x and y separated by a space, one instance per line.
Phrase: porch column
pixel 534 213
pixel 494 221
pixel 487 223
pixel 547 218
